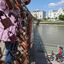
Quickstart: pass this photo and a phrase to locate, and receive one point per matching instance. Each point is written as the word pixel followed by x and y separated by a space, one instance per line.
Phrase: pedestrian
pixel 59 55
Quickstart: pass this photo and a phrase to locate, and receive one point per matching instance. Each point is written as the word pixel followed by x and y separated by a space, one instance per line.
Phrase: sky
pixel 45 5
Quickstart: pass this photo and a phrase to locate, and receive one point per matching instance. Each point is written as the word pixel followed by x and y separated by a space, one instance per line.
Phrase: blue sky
pixel 45 4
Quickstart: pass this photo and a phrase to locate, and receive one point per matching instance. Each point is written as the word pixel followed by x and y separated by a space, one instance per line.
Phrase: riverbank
pixel 59 23
pixel 49 22
pixel 52 23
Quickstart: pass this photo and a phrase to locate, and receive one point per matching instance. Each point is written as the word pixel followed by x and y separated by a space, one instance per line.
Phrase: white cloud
pixel 61 3
pixel 51 4
pixel 56 4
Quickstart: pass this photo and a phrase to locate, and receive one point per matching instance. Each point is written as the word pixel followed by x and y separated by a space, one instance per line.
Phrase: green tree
pixel 61 17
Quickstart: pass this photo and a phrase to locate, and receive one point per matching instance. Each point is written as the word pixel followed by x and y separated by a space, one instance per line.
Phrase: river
pixel 51 36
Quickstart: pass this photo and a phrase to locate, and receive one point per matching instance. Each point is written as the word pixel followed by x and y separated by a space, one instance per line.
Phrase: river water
pixel 52 36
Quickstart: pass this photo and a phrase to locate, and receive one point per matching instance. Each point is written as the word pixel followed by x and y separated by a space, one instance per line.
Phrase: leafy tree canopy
pixel 61 17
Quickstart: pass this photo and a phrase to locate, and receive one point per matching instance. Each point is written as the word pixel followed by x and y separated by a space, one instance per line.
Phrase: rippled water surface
pixel 51 35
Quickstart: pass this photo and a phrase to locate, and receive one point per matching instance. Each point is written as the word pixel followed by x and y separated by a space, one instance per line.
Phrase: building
pixel 55 13
pixel 39 14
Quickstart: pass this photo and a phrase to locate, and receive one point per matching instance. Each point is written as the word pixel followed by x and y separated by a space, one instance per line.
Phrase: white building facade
pixel 39 14
pixel 55 13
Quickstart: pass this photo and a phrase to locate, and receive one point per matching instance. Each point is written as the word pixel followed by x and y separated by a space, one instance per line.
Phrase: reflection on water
pixel 52 35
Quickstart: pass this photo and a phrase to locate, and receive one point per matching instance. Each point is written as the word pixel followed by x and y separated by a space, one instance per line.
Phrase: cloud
pixel 51 4
pixel 60 3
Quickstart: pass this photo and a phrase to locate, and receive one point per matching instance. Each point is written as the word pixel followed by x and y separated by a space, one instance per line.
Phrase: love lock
pixel 27 2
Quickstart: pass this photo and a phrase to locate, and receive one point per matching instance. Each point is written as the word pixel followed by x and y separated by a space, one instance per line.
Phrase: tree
pixel 61 17
pixel 55 17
